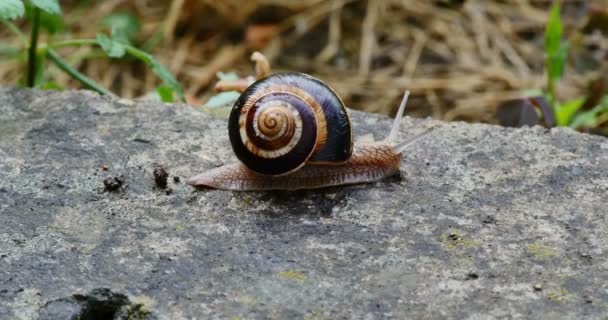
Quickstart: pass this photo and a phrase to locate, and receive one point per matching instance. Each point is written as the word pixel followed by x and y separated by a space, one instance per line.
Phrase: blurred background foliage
pixel 462 59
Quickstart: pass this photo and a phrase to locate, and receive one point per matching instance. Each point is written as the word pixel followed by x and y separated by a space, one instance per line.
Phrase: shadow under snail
pixel 291 131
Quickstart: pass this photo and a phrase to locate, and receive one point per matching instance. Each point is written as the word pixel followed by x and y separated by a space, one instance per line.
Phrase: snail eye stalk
pixel 401 146
pixel 397 122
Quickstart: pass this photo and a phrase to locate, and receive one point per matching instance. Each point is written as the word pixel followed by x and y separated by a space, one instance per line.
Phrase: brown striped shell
pixel 286 120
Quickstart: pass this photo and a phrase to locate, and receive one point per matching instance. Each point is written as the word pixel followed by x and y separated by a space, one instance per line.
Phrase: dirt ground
pixel 460 59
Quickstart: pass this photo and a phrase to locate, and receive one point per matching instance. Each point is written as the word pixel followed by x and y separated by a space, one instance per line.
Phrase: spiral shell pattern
pixel 278 124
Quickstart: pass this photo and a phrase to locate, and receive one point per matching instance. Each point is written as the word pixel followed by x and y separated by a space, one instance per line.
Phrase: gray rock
pixel 483 222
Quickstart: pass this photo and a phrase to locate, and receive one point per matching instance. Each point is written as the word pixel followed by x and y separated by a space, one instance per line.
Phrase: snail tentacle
pixel 401 146
pixel 397 122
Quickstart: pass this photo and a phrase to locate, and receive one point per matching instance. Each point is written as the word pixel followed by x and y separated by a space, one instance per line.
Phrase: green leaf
pixel 557 62
pixel 52 23
pixel 553 31
pixel 223 100
pixel 111 47
pixel 50 6
pixel 117 49
pixel 51 85
pixel 227 76
pixel 221 104
pixel 160 70
pixel 584 120
pixel 165 93
pixel 566 111
pixel 123 26
pixel 557 53
pixel 11 9
pixel 532 92
pixel 589 119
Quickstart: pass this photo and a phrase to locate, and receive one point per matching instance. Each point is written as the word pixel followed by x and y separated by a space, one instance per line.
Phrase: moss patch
pixel 559 295
pixel 456 239
pixel 541 251
pixel 293 275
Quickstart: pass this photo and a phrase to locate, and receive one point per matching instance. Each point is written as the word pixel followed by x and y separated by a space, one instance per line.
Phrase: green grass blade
pixel 567 110
pixel 165 93
pixel 553 31
pixel 163 73
pixel 86 81
pixel 11 26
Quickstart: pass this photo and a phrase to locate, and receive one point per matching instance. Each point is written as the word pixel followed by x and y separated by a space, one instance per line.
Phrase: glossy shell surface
pixel 286 120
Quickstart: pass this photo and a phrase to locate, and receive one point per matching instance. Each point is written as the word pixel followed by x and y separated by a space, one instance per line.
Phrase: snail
pixel 291 131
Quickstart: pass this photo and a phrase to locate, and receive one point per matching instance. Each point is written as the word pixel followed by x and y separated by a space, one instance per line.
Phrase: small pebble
pixel 113 183
pixel 309 223
pixel 538 287
pixel 160 177
pixel 472 276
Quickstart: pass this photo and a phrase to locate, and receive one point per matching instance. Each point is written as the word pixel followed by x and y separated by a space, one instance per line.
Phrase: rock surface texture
pixel 483 222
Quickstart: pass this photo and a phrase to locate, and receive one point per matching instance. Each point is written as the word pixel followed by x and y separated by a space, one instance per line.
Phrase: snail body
pixel 368 163
pixel 291 131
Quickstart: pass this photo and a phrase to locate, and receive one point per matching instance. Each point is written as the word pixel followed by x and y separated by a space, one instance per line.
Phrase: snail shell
pixel 286 120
